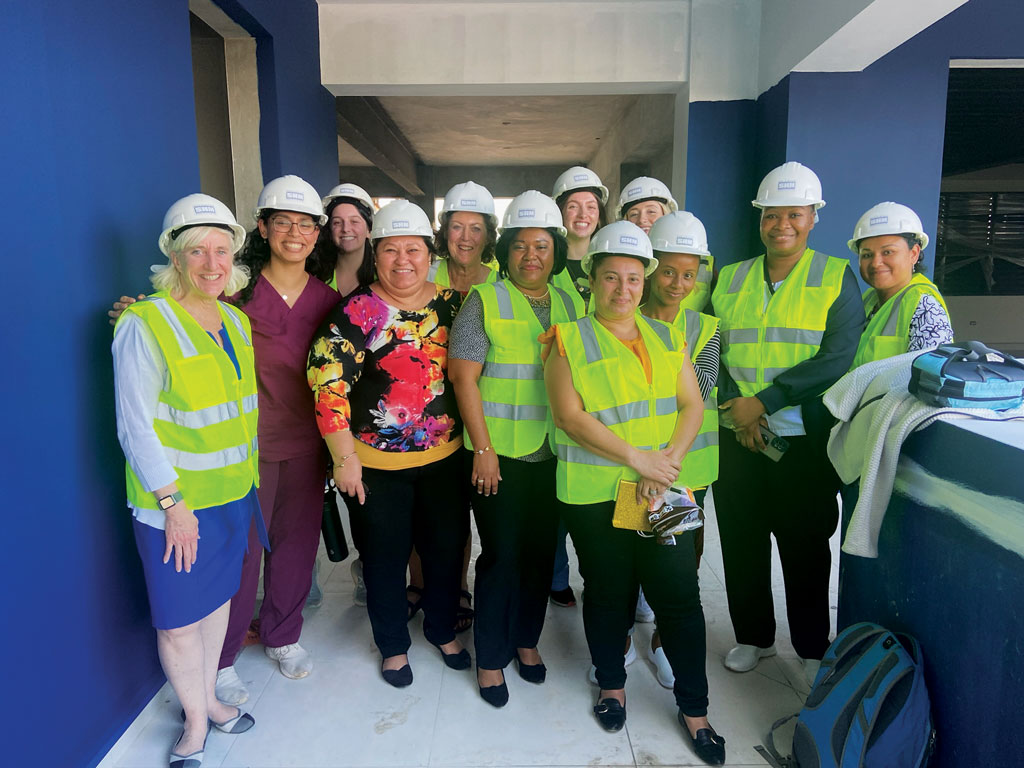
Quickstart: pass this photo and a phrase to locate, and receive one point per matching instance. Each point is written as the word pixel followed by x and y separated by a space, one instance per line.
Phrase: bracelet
pixel 482 451
pixel 343 460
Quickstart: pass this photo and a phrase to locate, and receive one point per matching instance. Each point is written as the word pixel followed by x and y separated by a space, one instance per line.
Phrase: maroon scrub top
pixel 281 338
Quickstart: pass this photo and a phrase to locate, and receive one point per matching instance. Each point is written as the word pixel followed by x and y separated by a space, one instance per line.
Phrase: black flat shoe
pixel 610 714
pixel 532 673
pixel 709 746
pixel 460 660
pixel 495 695
pixel 399 678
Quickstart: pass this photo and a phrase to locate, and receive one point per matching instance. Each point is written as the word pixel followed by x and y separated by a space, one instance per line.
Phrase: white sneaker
pixel 627 659
pixel 229 688
pixel 644 612
pixel 743 658
pixel 811 667
pixel 359 593
pixel 662 669
pixel 293 660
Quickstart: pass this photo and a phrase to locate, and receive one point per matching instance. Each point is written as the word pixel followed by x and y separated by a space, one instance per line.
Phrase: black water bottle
pixel 334 533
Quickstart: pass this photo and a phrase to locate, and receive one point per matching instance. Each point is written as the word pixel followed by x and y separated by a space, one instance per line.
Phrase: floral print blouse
pixel 382 372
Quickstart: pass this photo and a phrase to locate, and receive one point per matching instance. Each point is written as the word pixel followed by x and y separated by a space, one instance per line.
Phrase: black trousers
pixel 517 530
pixel 613 561
pixel 795 501
pixel 424 506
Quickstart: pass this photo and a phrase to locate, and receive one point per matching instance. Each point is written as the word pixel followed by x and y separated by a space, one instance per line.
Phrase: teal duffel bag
pixel 967 375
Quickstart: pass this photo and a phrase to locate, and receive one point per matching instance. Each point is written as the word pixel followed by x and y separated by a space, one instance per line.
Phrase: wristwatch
pixel 168 501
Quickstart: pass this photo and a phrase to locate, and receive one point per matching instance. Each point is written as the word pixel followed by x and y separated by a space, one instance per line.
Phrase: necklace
pixel 542 299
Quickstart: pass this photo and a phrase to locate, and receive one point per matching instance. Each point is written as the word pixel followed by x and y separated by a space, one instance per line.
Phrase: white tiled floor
pixel 345 715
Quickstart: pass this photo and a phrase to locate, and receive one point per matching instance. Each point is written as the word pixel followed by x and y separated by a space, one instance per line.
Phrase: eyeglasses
pixel 282 225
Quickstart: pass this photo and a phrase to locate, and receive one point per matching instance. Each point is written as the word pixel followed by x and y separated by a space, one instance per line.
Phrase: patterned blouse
pixel 382 372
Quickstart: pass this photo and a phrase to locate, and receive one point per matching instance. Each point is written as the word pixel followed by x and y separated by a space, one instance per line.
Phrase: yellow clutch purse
pixel 630 514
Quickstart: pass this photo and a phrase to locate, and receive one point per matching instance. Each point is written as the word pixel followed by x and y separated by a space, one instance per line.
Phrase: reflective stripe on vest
pixel 613 387
pixel 206 417
pixel 761 340
pixel 515 402
pixel 700 465
pixel 888 331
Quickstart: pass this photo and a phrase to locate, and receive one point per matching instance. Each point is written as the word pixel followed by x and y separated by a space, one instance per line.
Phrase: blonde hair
pixel 168 278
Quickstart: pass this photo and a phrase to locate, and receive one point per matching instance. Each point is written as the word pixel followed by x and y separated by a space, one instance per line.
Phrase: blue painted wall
pixel 98 139
pixel 878 134
pixel 719 161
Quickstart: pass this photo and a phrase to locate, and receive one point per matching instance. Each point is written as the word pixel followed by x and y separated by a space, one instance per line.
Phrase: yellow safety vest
pixel 762 339
pixel 564 281
pixel 438 272
pixel 613 386
pixel 700 465
pixel 698 298
pixel 512 382
pixel 206 416
pixel 888 330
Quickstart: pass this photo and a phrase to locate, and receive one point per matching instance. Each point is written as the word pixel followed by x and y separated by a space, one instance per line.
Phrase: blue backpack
pixel 868 706
pixel 967 375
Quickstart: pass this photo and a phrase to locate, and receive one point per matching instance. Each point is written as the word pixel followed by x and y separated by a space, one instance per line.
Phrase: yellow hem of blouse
pixel 377 459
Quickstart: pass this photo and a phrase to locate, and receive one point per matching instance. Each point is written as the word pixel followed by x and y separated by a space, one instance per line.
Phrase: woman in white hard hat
pixel 790 322
pixel 581 198
pixel 347 263
pixel 680 242
pixel 466 233
pixel 605 376
pixel 378 371
pixel 344 243
pixel 905 310
pixel 285 304
pixel 645 200
pixel 191 453
pixel 495 366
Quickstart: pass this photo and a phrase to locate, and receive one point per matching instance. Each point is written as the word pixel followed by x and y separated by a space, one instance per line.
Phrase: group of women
pixel 563 372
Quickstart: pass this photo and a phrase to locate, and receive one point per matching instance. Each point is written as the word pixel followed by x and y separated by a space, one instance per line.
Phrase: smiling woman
pixel 496 369
pixel 185 391
pixel 905 310
pixel 378 370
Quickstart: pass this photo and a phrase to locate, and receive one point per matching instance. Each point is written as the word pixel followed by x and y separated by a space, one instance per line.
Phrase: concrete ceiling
pixel 500 130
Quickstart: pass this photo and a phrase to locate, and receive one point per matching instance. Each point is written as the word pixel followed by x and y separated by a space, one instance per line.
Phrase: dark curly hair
pixel 255 255
pixel 329 251
pixel 505 242
pixel 441 237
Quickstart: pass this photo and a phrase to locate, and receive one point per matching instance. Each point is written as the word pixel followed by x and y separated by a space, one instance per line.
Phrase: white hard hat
pixel 472 197
pixel 623 238
pixel 533 209
pixel 680 232
pixel 579 177
pixel 400 217
pixel 645 188
pixel 290 193
pixel 888 219
pixel 197 210
pixel 790 184
pixel 352 191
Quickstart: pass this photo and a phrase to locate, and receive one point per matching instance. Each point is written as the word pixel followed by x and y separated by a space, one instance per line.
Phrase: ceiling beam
pixel 366 125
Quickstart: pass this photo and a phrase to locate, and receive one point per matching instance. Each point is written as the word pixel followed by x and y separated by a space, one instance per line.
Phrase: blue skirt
pixel 179 599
